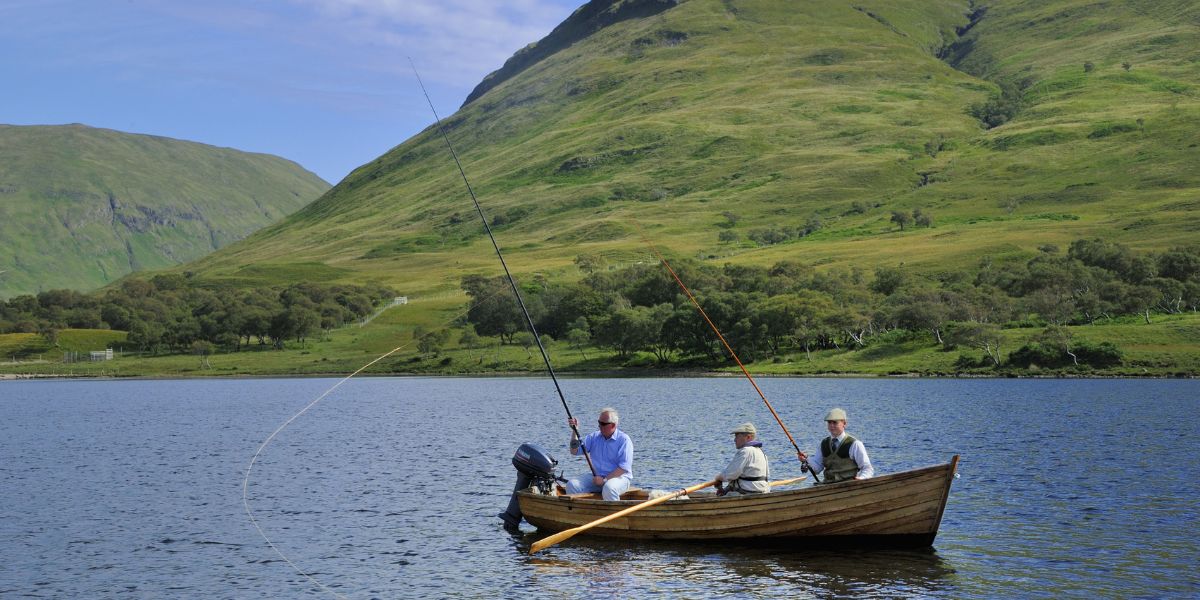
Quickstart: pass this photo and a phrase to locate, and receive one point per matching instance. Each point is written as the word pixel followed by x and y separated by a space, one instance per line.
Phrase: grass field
pixel 1168 347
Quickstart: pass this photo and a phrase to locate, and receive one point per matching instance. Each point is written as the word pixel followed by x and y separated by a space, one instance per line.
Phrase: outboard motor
pixel 535 468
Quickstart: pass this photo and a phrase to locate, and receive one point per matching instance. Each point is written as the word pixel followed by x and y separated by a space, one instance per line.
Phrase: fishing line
pixel 512 282
pixel 729 348
pixel 266 442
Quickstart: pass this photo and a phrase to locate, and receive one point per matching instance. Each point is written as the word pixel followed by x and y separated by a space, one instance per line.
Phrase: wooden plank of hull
pixel 907 505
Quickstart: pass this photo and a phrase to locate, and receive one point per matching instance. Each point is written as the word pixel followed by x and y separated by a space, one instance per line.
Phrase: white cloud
pixel 457 41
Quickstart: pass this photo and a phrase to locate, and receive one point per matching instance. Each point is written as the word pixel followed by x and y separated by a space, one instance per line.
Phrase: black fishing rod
pixel 512 282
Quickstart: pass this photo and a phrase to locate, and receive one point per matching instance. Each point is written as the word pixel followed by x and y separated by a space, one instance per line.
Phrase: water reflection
pixel 623 567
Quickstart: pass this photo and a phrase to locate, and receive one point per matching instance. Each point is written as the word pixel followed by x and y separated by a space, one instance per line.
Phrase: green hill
pixel 753 132
pixel 778 112
pixel 80 206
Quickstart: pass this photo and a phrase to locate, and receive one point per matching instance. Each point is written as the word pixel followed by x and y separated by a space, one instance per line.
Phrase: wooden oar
pixel 570 533
pixel 788 481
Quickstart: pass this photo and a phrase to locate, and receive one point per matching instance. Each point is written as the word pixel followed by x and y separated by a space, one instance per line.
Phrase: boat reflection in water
pixel 620 567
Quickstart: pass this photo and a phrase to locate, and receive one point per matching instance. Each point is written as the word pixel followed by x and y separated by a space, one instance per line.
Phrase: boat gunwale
pixel 760 500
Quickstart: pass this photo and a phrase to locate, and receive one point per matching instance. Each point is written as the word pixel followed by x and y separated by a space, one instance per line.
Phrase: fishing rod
pixel 512 282
pixel 653 248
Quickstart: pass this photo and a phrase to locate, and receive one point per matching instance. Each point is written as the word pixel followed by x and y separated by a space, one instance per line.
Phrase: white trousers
pixel 613 488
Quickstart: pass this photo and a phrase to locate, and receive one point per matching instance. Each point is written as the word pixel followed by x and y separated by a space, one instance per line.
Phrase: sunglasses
pixel 603 424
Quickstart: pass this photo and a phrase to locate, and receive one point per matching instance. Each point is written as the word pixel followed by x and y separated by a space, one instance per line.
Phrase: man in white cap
pixel 842 457
pixel 748 472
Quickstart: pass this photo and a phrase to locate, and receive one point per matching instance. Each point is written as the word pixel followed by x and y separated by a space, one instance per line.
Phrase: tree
pixel 1191 294
pixel 1139 299
pixel 492 308
pixel 812 308
pixel 1113 257
pixel 203 349
pixel 924 309
pixel 526 341
pixel 1054 304
pixel 901 218
pixel 983 336
pixel 1170 294
pixel 887 280
pixel 578 339
pixel 1180 264
pixel 49 333
pixel 629 330
pixel 305 322
pixel 146 335
pixel 780 317
pixel 1059 337
pixel 922 218
pixel 432 342
pixel 469 340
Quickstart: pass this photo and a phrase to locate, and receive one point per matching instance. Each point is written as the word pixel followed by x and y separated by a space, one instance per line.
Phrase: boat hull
pixel 899 509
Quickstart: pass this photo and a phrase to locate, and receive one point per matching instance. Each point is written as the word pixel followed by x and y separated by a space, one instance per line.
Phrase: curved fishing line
pixel 512 282
pixel 266 442
pixel 729 348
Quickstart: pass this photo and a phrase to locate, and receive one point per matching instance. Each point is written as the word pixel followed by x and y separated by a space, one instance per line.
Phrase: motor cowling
pixel 534 461
pixel 535 467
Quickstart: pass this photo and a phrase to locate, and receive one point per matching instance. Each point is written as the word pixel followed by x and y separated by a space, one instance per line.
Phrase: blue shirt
pixel 608 454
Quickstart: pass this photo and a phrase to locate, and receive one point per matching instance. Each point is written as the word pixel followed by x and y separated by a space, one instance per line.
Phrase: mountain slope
pixel 80 207
pixel 753 116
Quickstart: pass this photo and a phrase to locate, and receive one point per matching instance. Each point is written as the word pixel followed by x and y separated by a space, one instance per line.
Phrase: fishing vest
pixel 838 466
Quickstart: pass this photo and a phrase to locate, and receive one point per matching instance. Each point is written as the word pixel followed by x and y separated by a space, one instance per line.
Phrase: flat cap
pixel 835 414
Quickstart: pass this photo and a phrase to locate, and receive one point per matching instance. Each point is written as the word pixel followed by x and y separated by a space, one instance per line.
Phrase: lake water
pixel 389 487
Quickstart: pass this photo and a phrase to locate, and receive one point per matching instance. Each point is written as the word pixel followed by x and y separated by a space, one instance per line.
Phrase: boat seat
pixel 631 494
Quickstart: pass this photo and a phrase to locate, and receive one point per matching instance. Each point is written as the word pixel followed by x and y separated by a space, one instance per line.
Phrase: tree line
pixel 173 312
pixel 791 307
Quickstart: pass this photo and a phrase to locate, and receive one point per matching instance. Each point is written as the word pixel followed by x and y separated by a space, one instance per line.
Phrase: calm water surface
pixel 389 487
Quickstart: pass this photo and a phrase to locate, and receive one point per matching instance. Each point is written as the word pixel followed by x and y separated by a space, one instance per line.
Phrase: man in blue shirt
pixel 611 453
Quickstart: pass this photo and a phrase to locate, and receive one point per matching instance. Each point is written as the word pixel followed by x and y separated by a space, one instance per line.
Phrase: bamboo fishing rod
pixel 653 248
pixel 512 282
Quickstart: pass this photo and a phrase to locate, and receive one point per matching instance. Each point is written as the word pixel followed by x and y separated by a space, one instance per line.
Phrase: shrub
pixel 1104 354
pixel 1038 354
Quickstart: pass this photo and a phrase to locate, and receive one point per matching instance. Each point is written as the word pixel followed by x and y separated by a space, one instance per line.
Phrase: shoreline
pixel 655 374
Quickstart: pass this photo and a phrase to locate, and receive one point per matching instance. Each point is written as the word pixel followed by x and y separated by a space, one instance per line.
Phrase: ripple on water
pixel 389 488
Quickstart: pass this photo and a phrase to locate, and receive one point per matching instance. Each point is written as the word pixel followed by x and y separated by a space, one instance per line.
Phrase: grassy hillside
pixel 1015 124
pixel 80 207
pixel 778 112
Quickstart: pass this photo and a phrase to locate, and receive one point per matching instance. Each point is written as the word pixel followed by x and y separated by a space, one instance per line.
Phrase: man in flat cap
pixel 841 457
pixel 748 472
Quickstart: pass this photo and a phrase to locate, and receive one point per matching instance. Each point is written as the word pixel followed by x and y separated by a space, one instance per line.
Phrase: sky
pixel 325 83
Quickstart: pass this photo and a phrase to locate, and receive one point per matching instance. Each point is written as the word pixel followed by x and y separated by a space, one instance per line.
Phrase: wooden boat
pixel 899 509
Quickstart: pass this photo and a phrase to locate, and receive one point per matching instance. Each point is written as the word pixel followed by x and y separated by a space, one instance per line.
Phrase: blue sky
pixel 325 83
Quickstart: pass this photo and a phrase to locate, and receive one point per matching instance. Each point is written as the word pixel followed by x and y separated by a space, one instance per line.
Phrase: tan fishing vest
pixel 839 466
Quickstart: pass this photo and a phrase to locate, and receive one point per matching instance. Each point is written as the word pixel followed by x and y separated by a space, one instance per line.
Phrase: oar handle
pixel 570 533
